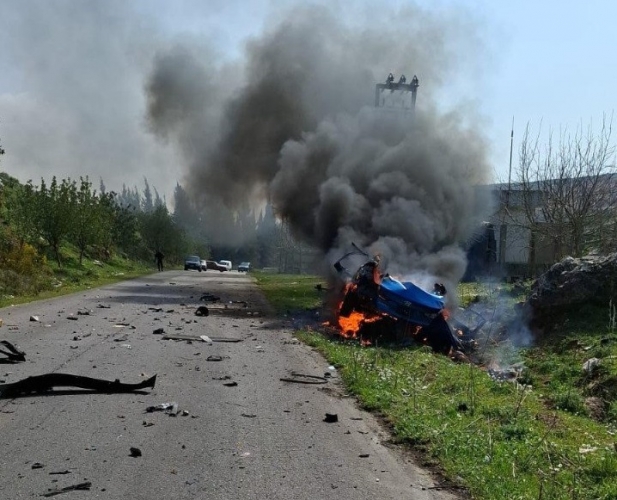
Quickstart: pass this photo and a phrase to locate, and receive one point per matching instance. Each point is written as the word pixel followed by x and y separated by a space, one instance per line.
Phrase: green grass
pixel 289 292
pixel 500 440
pixel 73 277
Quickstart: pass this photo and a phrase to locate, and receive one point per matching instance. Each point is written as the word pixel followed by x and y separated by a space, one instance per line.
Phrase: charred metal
pixel 399 310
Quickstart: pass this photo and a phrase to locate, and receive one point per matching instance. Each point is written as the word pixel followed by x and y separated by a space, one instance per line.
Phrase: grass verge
pixel 73 277
pixel 500 440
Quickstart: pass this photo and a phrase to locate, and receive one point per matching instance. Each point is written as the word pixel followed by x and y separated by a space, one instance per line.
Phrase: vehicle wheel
pixel 200 269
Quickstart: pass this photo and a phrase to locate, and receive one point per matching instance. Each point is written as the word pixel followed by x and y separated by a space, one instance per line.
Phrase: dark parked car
pixel 211 264
pixel 244 267
pixel 192 262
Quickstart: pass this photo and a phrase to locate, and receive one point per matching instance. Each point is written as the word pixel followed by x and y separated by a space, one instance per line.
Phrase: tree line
pixel 136 223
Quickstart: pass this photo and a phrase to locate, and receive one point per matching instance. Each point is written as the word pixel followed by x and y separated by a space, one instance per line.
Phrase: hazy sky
pixel 72 73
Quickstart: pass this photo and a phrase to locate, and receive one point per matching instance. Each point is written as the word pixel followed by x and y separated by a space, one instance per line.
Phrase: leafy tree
pixel 159 231
pixel 147 203
pixel 54 210
pixel 17 207
pixel 86 226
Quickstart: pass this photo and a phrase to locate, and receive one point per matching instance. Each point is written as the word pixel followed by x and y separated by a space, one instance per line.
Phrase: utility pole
pixel 503 230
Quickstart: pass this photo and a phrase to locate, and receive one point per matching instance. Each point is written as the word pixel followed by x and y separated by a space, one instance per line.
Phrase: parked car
pixel 226 263
pixel 212 264
pixel 192 262
pixel 244 267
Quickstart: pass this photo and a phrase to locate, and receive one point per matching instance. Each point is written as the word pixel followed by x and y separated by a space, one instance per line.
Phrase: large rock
pixel 571 282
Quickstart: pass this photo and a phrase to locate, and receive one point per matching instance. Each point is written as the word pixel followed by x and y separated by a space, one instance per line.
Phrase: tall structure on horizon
pixel 397 94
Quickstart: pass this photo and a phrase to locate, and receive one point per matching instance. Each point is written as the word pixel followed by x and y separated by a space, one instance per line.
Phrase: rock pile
pixel 571 282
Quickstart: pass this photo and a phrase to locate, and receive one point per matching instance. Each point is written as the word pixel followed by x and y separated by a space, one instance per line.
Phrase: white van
pixel 226 263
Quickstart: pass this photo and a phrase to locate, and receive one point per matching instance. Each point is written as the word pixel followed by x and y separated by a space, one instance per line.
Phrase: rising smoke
pixel 294 124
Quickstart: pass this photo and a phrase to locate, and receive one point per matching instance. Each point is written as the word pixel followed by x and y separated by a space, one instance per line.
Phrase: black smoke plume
pixel 295 124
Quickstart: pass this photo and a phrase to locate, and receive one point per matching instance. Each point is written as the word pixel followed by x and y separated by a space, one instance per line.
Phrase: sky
pixel 73 73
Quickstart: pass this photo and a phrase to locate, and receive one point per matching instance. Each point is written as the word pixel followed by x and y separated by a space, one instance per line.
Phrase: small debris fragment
pixel 202 311
pixel 34 318
pixel 230 384
pixel 169 408
pixel 37 465
pixel 330 418
pixel 60 472
pixel 159 331
pixel 301 378
pixel 364 455
pixel 155 309
pixel 214 358
pixel 135 452
pixel 249 415
pixel 72 318
pixel 81 486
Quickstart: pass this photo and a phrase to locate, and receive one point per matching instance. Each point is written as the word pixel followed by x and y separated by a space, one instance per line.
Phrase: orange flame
pixel 351 326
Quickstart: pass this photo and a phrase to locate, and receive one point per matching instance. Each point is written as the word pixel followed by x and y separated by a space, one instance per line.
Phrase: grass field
pixel 533 439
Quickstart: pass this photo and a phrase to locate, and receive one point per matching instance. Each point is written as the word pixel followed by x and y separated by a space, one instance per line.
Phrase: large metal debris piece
pixel 41 384
pixel 382 304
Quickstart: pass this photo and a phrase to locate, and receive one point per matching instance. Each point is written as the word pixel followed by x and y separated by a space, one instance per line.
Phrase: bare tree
pixel 564 194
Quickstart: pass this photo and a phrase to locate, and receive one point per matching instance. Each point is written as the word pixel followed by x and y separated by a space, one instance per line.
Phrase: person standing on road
pixel 158 257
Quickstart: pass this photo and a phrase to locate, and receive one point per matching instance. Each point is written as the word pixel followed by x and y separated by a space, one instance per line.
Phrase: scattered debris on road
pixel 135 452
pixel 208 297
pixel 230 384
pixel 249 415
pixel 214 358
pixel 188 338
pixel 81 486
pixel 169 408
pixel 37 465
pixel 13 354
pixel 301 378
pixel 331 418
pixel 158 331
pixel 34 318
pixel 225 339
pixel 202 311
pixel 40 384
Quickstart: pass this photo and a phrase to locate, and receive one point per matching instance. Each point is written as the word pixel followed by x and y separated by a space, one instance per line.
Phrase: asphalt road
pixel 260 439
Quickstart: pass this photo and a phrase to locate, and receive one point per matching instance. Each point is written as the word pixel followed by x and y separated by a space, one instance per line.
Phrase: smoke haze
pixel 71 102
pixel 296 126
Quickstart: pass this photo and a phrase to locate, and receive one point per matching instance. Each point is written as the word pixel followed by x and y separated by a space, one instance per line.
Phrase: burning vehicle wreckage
pixel 377 306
